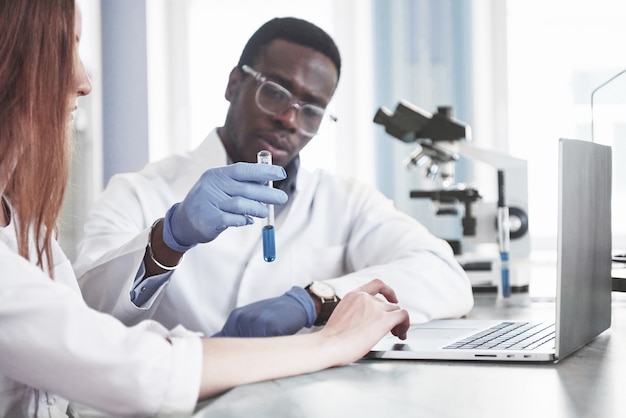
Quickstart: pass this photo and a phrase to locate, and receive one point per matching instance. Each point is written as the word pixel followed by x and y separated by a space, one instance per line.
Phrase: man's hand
pixel 283 315
pixel 221 198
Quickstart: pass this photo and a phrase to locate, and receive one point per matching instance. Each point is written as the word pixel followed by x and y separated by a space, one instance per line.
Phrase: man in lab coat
pixel 332 235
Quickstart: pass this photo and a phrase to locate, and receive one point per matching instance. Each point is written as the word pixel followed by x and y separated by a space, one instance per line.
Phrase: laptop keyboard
pixel 508 336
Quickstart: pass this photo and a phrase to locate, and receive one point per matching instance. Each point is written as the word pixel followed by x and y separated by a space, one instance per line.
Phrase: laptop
pixel 618 271
pixel 583 294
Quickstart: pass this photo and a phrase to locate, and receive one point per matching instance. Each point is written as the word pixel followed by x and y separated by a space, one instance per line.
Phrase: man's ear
pixel 234 81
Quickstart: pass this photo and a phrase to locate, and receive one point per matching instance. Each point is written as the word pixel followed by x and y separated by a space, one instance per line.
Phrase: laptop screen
pixel 584 244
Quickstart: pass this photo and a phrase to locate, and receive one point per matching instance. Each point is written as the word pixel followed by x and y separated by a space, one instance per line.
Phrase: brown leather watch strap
pixel 325 300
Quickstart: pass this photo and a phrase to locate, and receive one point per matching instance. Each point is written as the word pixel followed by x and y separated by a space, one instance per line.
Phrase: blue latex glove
pixel 283 315
pixel 222 197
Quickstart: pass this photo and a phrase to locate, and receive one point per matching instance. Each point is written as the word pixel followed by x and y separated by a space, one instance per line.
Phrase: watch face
pixel 322 290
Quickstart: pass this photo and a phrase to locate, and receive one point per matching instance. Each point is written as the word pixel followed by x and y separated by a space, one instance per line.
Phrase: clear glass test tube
pixel 269 243
pixel 504 237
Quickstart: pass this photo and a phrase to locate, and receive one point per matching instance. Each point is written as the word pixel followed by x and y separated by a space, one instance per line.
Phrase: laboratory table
pixel 589 383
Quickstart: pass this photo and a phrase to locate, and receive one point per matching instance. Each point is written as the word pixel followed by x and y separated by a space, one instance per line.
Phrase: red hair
pixel 37 52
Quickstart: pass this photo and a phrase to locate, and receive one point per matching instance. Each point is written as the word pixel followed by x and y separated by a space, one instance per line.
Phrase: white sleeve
pixel 108 282
pixel 388 244
pixel 52 341
pixel 111 252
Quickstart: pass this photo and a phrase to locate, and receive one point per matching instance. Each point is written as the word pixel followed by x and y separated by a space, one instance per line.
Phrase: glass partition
pixel 608 126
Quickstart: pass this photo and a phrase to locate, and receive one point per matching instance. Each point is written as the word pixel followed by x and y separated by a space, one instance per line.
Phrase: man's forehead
pixel 301 67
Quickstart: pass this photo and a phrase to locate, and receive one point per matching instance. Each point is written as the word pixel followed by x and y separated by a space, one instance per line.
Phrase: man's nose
pixel 289 118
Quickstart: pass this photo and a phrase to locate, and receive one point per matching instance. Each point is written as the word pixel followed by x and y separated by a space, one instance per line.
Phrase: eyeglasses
pixel 274 99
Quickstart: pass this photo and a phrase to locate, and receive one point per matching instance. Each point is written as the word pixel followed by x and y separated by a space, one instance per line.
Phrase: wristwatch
pixel 325 297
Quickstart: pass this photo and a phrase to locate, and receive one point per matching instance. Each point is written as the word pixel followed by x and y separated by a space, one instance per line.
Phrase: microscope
pixel 441 141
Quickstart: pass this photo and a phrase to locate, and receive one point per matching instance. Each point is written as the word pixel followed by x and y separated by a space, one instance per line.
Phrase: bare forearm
pixel 357 323
pixel 230 362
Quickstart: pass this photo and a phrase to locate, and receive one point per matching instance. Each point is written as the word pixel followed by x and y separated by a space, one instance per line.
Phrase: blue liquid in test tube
pixel 269 243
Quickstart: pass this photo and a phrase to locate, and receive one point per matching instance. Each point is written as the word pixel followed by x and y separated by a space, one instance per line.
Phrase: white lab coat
pixel 53 348
pixel 333 229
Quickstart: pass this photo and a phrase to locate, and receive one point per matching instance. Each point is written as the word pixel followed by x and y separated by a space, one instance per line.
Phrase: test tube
pixel 269 243
pixel 504 236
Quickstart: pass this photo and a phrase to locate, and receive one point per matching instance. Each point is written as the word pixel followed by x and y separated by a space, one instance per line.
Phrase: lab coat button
pixel 143 288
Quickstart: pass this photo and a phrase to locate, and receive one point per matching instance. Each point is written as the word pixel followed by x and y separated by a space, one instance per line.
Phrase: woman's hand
pixel 361 319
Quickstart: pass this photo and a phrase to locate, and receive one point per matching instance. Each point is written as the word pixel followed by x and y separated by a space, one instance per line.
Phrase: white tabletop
pixel 589 383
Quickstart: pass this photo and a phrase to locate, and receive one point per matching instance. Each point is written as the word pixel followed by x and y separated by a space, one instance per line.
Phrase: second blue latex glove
pixel 283 315
pixel 221 198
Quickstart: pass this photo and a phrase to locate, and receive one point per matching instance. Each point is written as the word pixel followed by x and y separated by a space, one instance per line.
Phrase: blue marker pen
pixel 269 244
pixel 504 236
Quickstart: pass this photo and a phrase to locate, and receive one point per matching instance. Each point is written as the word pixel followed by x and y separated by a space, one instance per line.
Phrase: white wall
pixel 559 52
